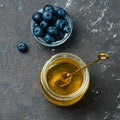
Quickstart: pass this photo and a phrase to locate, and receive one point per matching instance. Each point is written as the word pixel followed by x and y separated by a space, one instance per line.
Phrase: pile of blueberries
pixel 51 24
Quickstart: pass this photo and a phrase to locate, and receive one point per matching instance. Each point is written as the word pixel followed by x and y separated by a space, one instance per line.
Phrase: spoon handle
pixel 101 56
pixel 91 63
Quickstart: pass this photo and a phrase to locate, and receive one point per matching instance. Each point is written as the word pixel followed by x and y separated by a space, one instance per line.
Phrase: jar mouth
pixel 73 95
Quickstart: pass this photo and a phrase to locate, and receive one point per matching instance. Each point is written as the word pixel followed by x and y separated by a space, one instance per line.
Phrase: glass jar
pixel 49 77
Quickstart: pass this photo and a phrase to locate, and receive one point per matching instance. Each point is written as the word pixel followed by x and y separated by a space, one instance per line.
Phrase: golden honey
pixel 54 75
pixel 51 75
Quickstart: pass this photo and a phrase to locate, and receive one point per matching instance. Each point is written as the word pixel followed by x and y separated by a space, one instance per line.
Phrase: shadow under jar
pixel 50 77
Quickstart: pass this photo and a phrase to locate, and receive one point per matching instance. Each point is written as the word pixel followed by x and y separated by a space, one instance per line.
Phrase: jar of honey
pixel 50 79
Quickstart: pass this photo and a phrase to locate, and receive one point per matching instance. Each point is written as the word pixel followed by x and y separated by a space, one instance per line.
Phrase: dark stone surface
pixel 96 29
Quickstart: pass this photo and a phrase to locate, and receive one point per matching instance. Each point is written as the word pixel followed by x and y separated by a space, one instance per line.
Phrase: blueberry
pixel 37 17
pixel 47 16
pixel 22 47
pixel 44 24
pixel 66 29
pixel 48 39
pixel 60 35
pixel 59 24
pixel 49 8
pixel 38 32
pixel 61 13
pixel 52 30
pixel 65 22
pixel 35 24
pixel 54 19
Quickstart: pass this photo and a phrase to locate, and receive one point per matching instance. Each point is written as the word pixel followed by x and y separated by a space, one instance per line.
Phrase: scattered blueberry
pixel 66 29
pixel 44 24
pixel 61 13
pixel 48 39
pixel 37 17
pixel 38 32
pixel 52 30
pixel 22 47
pixel 59 24
pixel 49 8
pixel 47 16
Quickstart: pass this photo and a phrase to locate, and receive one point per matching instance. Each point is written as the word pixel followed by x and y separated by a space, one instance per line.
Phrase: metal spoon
pixel 67 77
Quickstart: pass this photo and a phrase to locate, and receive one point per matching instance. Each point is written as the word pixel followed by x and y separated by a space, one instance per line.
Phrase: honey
pixel 54 75
pixel 50 78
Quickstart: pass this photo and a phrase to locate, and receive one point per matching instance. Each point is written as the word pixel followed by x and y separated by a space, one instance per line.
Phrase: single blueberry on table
pixel 37 17
pixel 49 8
pixel 60 23
pixel 61 13
pixel 22 47
pixel 38 32
pixel 48 39
pixel 52 30
pixel 44 24
pixel 47 16
pixel 66 29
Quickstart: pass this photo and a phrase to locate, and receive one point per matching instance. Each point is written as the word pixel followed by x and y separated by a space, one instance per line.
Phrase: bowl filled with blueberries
pixel 51 26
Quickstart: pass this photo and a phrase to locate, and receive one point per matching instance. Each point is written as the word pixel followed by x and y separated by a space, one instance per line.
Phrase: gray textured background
pixel 96 29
